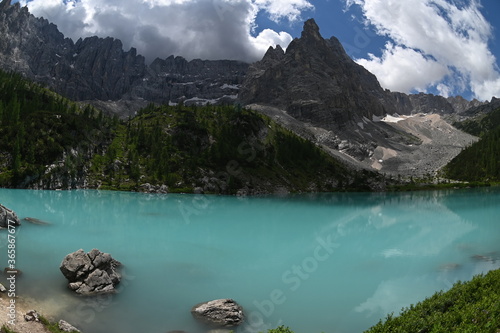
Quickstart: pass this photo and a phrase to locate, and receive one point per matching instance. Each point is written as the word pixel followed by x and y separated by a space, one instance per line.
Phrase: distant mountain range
pixel 99 69
pixel 313 88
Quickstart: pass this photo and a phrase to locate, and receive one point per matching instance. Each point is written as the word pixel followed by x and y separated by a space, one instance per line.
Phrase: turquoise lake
pixel 332 263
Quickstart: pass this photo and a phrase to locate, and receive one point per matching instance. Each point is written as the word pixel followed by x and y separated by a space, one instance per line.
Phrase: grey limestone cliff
pixel 314 80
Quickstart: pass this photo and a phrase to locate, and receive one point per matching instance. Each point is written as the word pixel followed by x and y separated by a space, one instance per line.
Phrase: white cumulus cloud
pixel 440 44
pixel 206 29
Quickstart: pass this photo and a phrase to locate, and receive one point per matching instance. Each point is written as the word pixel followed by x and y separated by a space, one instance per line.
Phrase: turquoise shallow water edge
pixel 317 263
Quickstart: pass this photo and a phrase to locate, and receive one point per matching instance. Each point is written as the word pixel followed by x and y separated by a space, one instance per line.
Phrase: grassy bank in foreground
pixel 472 306
pixel 468 307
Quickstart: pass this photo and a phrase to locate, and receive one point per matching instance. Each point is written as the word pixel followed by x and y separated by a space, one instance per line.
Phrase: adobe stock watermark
pixel 11 271
pixel 292 278
pixel 88 309
pixel 361 40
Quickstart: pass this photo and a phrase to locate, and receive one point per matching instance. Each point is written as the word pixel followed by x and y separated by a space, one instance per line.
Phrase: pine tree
pixel 16 158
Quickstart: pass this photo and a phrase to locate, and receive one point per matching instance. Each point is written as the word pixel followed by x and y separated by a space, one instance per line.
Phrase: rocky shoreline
pixel 29 320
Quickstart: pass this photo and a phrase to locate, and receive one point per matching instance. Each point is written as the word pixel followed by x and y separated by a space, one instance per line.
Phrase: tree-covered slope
pixel 480 125
pixel 480 161
pixel 218 149
pixel 49 142
pixel 44 136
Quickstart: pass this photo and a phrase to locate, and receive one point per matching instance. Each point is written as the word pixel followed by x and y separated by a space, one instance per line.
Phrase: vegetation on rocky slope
pixel 481 160
pixel 42 133
pixel 49 142
pixel 480 125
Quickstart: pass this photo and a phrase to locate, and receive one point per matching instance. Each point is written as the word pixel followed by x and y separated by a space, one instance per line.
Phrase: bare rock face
pixel 220 312
pixel 90 273
pixel 7 215
pixel 315 81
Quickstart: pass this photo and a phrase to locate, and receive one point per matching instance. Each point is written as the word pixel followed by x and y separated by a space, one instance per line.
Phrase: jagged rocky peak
pixel 96 68
pixel 315 81
pixel 275 53
pixel 5 4
pixel 311 30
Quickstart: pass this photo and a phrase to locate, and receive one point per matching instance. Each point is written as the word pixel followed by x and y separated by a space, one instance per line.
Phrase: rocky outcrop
pixel 148 188
pixel 318 92
pixel 99 69
pixel 314 81
pixel 90 273
pixel 32 315
pixel 220 312
pixel 482 109
pixel 67 327
pixel 404 104
pixel 8 217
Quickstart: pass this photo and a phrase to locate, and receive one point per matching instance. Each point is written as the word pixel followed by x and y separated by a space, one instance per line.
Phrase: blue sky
pixel 446 47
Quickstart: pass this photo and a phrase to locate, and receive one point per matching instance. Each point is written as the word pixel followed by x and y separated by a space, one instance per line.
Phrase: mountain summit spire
pixel 311 29
pixel 5 4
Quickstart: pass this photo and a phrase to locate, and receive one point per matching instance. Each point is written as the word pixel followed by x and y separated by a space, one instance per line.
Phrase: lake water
pixel 316 263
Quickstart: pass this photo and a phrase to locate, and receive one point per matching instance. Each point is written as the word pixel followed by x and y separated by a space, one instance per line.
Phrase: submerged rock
pixel 7 215
pixel 35 221
pixel 90 273
pixel 12 271
pixel 220 312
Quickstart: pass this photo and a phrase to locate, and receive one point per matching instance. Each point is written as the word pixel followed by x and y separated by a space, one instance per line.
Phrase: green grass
pixel 468 307
pixel 6 329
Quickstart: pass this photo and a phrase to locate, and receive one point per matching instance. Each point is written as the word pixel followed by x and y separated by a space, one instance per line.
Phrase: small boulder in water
pixel 220 312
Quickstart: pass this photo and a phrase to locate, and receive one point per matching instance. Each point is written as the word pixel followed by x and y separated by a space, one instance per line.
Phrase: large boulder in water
pixel 220 312
pixel 90 273
pixel 6 215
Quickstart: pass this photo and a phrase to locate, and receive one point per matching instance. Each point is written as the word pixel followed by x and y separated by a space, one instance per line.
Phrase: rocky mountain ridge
pixel 314 85
pixel 320 93
pixel 98 69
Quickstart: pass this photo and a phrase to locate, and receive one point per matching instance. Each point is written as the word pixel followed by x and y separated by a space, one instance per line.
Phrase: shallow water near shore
pixel 316 263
